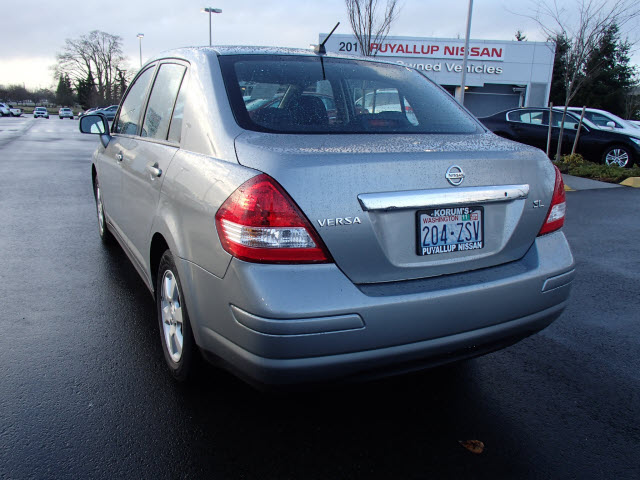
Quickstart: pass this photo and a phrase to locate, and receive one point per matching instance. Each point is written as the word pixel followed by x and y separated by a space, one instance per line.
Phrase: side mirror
pixel 96 125
pixel 611 125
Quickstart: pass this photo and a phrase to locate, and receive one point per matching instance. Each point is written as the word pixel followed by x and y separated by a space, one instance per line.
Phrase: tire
pixel 618 155
pixel 103 230
pixel 178 345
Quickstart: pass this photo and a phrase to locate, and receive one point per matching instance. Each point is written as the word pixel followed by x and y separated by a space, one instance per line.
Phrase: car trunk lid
pixel 370 197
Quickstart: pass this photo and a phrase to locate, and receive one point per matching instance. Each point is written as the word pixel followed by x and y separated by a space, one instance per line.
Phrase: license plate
pixel 452 229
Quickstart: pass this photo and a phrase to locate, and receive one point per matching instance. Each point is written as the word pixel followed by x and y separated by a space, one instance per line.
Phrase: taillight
pixel 558 208
pixel 261 223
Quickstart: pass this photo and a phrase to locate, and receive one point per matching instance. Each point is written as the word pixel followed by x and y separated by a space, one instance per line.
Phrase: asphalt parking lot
pixel 85 394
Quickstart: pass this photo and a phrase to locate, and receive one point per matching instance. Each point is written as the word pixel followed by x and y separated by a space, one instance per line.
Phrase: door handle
pixel 153 169
pixel 119 157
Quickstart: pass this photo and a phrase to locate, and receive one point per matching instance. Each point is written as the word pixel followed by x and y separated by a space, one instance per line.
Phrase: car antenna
pixel 320 49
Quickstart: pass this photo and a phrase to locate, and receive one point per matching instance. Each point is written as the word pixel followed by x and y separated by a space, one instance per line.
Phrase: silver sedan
pixel 314 236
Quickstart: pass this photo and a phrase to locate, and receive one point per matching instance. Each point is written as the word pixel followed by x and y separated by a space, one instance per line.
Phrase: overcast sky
pixel 34 31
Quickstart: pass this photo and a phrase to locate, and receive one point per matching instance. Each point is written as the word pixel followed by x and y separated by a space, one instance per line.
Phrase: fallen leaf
pixel 474 446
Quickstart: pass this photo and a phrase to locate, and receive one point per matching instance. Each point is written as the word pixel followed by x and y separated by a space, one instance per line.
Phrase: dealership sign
pixel 440 49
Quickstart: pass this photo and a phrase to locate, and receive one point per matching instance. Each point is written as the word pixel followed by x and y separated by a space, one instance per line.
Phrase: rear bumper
pixel 280 324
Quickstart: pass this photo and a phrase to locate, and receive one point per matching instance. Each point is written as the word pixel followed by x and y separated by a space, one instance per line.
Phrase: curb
pixel 631 182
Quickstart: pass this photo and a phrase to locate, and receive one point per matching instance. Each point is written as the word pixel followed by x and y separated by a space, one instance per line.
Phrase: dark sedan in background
pixel 109 112
pixel 531 126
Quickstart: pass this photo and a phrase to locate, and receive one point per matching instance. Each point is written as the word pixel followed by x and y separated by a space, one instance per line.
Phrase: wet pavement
pixel 84 392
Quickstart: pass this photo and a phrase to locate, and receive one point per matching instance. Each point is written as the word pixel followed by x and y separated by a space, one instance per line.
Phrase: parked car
pixel 87 112
pixel 607 121
pixel 291 249
pixel 256 105
pixel 531 126
pixel 65 113
pixel 40 112
pixel 15 112
pixel 108 112
pixel 4 110
pixel 384 100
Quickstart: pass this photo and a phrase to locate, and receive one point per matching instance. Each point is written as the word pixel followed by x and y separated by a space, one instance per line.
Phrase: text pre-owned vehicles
pixel 531 126
pixel 65 113
pixel 108 112
pixel 40 112
pixel 296 249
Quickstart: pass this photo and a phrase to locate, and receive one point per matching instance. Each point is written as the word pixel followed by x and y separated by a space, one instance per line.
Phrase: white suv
pixel 40 112
pixel 4 110
pixel 65 113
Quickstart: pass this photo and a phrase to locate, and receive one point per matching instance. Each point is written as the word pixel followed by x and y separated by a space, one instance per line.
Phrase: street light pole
pixel 210 10
pixel 140 36
pixel 466 55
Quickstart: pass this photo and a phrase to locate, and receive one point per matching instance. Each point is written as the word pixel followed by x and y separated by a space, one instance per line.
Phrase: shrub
pixel 596 171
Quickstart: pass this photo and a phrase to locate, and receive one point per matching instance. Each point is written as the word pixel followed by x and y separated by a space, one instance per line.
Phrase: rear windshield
pixel 294 94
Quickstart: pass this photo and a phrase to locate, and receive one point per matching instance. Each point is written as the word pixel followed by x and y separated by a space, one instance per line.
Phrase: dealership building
pixel 501 74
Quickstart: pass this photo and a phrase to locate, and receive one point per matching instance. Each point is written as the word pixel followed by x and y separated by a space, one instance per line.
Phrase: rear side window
pixel 162 100
pixel 600 120
pixel 534 118
pixel 300 94
pixel 129 118
pixel 175 129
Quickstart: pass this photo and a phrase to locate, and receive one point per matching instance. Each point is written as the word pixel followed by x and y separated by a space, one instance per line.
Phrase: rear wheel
pixel 103 231
pixel 178 345
pixel 618 155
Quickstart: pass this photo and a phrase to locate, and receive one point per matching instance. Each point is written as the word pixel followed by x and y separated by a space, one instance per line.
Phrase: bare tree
pixel 582 28
pixel 368 26
pixel 97 55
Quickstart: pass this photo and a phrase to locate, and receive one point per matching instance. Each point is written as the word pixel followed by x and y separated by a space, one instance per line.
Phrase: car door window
pixel 162 100
pixel 536 117
pixel 570 122
pixel 601 120
pixel 175 128
pixel 129 117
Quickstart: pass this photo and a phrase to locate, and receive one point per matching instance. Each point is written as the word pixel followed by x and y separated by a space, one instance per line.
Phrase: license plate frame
pixel 477 241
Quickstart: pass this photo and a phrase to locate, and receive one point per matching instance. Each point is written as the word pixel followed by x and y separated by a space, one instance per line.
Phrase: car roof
pixel 589 110
pixel 196 53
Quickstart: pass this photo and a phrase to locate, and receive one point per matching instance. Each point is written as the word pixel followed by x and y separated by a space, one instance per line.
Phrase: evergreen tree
pixel 613 78
pixel 557 95
pixel 610 79
pixel 520 37
pixel 87 92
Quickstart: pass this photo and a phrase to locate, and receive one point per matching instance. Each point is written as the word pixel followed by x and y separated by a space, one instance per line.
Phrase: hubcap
pixel 100 210
pixel 171 308
pixel 618 157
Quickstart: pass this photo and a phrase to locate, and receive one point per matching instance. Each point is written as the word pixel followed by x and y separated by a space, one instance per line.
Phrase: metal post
pixel 466 55
pixel 575 142
pixel 210 10
pixel 549 134
pixel 140 35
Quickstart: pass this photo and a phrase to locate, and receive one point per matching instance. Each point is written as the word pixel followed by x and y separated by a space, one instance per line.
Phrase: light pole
pixel 210 10
pixel 140 36
pixel 466 55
